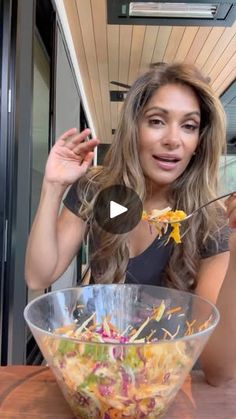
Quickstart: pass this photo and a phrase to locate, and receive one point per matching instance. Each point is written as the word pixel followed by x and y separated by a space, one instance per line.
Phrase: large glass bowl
pixel 122 380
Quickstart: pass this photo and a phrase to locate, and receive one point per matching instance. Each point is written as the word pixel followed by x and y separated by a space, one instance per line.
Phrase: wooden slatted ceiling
pixel 121 53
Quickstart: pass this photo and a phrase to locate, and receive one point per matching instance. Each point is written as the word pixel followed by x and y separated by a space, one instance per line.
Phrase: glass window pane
pixel 40 128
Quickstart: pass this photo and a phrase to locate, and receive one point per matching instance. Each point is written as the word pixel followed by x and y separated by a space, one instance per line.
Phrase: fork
pixel 200 208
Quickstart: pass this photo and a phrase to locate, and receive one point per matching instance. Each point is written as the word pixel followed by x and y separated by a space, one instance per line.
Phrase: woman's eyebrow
pixel 160 109
pixel 156 108
pixel 197 113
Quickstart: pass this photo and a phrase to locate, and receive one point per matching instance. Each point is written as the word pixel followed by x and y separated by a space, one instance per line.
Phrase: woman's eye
pixel 190 127
pixel 156 121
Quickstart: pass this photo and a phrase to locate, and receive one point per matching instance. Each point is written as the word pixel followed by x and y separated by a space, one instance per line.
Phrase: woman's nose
pixel 172 136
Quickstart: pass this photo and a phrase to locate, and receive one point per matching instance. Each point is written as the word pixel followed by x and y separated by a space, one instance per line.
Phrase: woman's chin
pixel 161 180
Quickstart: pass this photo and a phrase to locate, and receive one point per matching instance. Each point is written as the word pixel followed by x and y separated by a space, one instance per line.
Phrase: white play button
pixel 116 209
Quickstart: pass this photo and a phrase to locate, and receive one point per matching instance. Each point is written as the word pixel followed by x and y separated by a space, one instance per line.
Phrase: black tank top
pixel 149 267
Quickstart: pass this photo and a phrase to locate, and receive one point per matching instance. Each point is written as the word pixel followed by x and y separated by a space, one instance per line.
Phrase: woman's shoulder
pixel 83 189
pixel 216 242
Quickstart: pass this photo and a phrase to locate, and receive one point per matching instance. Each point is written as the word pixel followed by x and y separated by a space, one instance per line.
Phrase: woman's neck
pixel 157 197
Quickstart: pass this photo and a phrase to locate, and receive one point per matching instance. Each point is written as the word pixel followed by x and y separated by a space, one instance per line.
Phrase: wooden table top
pixel 31 392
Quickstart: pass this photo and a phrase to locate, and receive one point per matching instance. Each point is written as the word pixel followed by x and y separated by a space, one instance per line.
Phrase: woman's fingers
pixel 67 135
pixel 74 139
pixel 76 143
pixel 73 147
pixel 85 154
pixel 86 147
pixel 87 160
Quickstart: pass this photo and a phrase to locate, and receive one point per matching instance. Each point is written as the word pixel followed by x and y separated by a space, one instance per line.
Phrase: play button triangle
pixel 116 209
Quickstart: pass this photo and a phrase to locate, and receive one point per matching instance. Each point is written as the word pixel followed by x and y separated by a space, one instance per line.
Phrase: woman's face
pixel 168 133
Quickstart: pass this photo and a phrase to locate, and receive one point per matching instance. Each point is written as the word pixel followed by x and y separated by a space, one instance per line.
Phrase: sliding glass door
pixel 40 126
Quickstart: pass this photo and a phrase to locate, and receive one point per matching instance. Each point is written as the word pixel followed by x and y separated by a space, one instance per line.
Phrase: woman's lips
pixel 166 162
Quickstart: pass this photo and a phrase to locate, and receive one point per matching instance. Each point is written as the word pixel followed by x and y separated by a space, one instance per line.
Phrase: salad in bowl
pixel 120 350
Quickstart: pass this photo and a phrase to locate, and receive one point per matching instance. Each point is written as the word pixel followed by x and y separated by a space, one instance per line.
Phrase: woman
pixel 167 148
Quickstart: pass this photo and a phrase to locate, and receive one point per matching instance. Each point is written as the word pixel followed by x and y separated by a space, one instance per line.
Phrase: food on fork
pixel 161 219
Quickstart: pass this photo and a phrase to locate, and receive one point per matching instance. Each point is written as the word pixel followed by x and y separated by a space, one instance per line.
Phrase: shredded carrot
pixel 189 330
pixel 173 310
pixel 205 324
pixel 161 219
pixel 66 328
pixel 114 414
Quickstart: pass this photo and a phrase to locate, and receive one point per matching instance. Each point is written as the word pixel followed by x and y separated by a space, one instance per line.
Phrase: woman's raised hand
pixel 70 157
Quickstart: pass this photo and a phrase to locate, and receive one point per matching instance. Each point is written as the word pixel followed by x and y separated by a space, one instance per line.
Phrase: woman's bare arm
pixel 217 283
pixel 54 240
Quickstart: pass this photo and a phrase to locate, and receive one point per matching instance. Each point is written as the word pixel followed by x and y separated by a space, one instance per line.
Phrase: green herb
pixel 66 346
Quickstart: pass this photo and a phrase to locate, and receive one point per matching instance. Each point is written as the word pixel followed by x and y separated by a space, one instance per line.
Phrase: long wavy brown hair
pixel 197 184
